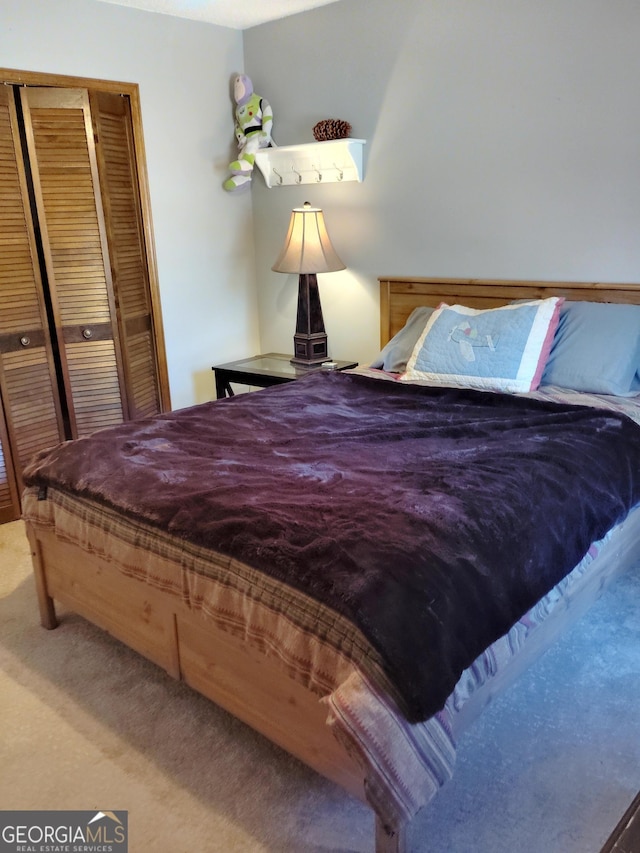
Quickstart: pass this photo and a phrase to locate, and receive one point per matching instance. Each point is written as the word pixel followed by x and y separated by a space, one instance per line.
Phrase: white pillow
pixel 495 349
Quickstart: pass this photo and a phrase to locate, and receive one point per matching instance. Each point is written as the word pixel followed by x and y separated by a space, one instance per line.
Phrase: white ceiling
pixel 237 14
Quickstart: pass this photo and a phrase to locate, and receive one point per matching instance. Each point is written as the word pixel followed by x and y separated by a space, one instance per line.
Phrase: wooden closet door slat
pixel 27 387
pixel 62 154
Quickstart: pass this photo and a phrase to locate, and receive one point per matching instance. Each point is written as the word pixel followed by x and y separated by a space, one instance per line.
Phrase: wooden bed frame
pixel 239 678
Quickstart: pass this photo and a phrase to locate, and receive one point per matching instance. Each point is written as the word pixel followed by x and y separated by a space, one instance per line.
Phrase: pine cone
pixel 331 128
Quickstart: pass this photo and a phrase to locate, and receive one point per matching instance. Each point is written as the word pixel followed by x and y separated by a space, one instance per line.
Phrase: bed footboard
pixel 239 679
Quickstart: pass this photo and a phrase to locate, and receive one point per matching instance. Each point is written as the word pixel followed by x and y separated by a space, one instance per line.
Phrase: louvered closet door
pixel 28 390
pixel 121 202
pixel 63 161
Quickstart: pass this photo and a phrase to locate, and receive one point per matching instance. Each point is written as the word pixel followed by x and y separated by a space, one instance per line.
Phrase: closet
pixel 81 344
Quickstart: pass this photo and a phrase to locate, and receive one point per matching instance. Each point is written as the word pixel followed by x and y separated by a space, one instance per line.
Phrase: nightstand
pixel 263 371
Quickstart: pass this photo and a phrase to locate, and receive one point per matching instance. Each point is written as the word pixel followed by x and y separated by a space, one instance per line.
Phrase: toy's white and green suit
pixel 254 120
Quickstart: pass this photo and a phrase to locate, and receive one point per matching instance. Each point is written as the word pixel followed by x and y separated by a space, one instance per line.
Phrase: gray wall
pixel 502 141
pixel 203 237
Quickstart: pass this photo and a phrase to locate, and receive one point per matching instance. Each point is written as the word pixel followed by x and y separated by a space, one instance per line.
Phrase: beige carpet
pixel 87 724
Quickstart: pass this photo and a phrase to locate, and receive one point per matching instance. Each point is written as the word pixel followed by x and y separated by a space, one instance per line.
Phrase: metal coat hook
pixel 276 172
pixel 298 175
pixel 318 173
pixel 340 172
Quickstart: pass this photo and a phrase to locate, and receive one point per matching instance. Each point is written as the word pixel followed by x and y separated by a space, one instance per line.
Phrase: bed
pixel 311 663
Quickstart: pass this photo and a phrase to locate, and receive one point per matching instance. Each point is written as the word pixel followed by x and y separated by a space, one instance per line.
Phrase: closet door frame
pixel 8 511
pixel 131 90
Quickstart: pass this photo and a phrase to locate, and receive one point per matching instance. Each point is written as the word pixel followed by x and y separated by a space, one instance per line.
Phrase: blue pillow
pixel 497 349
pixel 396 353
pixel 596 349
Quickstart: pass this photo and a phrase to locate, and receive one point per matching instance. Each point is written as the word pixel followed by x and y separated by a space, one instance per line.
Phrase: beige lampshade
pixel 307 247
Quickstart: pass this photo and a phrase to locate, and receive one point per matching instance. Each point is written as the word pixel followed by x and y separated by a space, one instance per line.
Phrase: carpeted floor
pixel 87 724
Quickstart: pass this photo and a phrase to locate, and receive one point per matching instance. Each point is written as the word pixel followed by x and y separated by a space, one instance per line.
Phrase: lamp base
pixel 310 339
pixel 309 349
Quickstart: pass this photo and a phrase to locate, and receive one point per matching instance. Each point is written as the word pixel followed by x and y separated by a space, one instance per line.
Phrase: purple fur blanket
pixel 433 519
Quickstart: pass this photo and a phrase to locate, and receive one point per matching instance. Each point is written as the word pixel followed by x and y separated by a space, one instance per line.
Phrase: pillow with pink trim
pixel 494 349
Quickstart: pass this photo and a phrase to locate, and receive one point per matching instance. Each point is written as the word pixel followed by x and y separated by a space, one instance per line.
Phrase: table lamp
pixel 307 251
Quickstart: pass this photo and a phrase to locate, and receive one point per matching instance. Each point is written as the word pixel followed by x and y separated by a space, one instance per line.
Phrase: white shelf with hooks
pixel 327 162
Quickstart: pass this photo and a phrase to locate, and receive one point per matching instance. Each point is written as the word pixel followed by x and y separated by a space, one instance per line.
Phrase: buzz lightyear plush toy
pixel 253 123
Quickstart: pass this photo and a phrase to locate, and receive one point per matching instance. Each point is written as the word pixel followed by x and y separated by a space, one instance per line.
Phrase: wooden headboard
pixel 399 296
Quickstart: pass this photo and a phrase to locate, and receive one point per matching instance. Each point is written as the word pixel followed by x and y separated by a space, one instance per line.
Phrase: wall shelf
pixel 312 163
